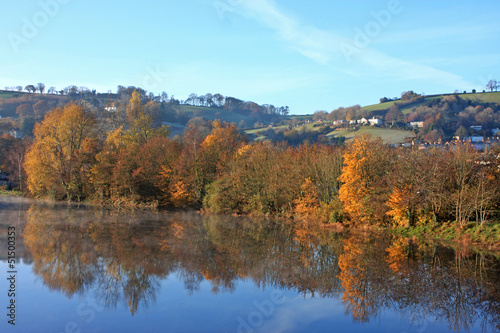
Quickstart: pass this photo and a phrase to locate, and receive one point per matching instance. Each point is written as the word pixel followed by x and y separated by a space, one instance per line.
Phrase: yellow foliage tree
pixel 134 107
pixel 366 163
pixel 141 125
pixel 181 195
pixel 218 148
pixel 308 203
pixel 401 206
pixel 101 173
pixel 55 162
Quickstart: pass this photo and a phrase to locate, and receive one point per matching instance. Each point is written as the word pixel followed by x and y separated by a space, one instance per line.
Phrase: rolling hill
pixel 486 97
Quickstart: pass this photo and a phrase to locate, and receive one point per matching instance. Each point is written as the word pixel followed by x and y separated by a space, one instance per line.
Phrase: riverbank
pixel 486 235
pixel 12 193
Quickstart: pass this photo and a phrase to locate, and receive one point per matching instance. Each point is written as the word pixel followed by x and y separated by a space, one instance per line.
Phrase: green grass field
pixel 255 130
pixel 488 97
pixel 389 135
pixel 301 117
pixel 9 94
pixel 491 97
pixel 377 107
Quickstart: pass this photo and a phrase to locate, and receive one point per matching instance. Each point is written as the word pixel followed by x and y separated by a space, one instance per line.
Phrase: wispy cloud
pixel 463 34
pixel 311 42
pixel 325 47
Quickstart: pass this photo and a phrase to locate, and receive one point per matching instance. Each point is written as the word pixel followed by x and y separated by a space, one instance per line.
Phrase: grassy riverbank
pixel 482 235
pixel 13 193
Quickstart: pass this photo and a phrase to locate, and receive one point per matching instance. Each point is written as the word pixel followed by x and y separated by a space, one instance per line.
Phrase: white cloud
pixel 325 47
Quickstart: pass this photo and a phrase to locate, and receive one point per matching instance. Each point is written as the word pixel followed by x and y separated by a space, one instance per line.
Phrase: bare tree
pixel 40 87
pixel 492 85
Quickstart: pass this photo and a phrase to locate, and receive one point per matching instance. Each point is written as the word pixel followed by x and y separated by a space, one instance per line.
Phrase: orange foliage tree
pixel 366 164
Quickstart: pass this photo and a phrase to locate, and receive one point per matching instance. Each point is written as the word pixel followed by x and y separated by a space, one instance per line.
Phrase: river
pixel 88 269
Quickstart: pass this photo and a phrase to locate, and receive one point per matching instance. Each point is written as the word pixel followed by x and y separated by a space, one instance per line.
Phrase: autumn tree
pixel 463 168
pixel 24 110
pixel 308 203
pixel 394 115
pixel 189 165
pixel 55 164
pixel 134 107
pixel 363 192
pixel 102 172
pixel 141 122
pixel 12 152
pixel 216 151
pixel 41 108
pixel 407 202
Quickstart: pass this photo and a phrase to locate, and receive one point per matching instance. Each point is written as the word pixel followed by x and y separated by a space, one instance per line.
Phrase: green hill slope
pixel 487 97
pixel 388 135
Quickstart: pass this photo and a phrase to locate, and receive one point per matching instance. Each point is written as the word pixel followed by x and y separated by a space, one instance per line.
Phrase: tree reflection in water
pixel 124 256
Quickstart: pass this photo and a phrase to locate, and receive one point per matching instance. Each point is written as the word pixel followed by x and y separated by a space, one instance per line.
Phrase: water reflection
pixel 122 257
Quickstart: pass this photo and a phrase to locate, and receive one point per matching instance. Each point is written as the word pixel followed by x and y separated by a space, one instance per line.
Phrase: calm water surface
pixel 95 270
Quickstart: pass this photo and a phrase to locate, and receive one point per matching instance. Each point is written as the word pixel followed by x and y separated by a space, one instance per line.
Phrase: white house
pixel 111 108
pixel 375 121
pixel 338 122
pixel 417 124
pixel 16 133
pixel 363 121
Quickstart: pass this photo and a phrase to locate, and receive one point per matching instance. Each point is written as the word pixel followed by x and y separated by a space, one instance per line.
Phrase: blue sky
pixel 309 55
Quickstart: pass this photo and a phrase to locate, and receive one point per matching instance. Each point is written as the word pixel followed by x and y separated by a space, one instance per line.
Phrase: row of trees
pixel 76 157
pixel 32 88
pixel 208 100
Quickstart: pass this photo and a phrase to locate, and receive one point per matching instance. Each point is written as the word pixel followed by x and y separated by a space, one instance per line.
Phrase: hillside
pixel 486 97
pixel 18 107
pixel 434 118
pixel 440 116
pixel 388 135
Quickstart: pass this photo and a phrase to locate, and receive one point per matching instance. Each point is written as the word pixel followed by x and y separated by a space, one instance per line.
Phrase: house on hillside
pixel 375 121
pixel 473 139
pixel 419 124
pixel 339 122
pixel 110 108
pixel 363 121
pixel 476 128
pixel 16 133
